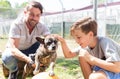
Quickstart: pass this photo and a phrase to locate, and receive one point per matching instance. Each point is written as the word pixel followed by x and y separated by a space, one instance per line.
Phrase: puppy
pixel 45 56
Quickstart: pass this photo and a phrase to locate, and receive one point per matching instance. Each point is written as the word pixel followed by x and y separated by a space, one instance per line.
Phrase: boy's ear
pixel 40 39
pixel 91 33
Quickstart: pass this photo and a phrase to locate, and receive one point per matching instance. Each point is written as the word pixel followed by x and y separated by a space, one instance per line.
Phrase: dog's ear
pixel 40 39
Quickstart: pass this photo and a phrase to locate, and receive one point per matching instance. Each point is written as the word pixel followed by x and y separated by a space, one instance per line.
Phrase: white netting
pixel 108 18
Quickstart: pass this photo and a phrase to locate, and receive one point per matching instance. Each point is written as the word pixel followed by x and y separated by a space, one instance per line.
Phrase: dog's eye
pixel 55 42
pixel 48 43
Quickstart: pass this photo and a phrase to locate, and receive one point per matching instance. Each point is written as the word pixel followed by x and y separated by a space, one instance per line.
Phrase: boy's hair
pixel 34 4
pixel 86 25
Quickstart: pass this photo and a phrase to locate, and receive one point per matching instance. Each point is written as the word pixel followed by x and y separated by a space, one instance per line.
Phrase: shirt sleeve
pixel 45 30
pixel 14 31
pixel 110 50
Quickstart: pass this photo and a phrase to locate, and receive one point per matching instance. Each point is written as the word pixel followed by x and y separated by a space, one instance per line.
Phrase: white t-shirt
pixel 19 30
pixel 105 49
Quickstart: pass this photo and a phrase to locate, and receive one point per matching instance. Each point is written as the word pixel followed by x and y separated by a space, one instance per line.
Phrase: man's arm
pixel 14 42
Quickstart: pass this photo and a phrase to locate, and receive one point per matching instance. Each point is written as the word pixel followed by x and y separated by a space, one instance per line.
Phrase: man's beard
pixel 32 23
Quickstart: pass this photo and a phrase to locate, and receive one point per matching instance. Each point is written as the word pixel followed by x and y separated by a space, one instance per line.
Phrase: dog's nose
pixel 53 47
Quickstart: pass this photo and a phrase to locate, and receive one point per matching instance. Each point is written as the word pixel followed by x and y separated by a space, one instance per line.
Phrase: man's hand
pixel 31 64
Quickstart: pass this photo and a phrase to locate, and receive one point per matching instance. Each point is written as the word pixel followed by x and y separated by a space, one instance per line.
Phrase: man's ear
pixel 40 39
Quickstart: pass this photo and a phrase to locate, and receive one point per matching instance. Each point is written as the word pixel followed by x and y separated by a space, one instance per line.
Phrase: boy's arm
pixel 66 51
pixel 110 66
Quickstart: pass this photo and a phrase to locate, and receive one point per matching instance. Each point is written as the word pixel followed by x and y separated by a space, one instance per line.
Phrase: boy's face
pixel 32 16
pixel 82 39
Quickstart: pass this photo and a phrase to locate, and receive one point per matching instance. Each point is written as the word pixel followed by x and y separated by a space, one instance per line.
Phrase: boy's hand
pixel 60 38
pixel 84 53
pixel 87 56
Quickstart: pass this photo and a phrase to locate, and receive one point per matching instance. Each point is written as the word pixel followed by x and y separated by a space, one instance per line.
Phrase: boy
pixel 99 57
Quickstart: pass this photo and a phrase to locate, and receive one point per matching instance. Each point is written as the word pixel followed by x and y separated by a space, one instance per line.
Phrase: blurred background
pixel 60 14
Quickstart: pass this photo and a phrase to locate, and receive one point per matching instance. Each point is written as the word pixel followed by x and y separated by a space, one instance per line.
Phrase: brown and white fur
pixel 45 56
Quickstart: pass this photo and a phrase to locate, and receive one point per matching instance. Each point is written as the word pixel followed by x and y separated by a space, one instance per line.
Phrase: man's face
pixel 32 16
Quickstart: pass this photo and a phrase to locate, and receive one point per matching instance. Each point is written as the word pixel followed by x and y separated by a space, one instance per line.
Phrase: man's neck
pixel 30 28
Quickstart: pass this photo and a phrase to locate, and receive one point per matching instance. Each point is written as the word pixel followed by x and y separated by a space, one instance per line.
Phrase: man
pixel 22 40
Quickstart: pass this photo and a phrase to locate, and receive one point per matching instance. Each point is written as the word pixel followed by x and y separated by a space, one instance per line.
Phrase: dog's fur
pixel 45 55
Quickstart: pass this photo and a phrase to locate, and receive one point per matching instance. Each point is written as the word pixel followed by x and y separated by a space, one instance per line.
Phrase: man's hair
pixel 34 4
pixel 85 25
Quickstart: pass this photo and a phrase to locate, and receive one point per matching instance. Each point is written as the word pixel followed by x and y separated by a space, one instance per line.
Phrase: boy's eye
pixel 76 37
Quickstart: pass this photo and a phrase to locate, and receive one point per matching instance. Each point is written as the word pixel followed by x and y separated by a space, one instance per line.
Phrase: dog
pixel 45 56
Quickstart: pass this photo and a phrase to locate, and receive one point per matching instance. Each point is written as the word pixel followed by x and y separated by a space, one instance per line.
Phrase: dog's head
pixel 50 43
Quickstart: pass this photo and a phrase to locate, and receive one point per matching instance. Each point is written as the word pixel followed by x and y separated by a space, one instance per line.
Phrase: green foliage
pixel 66 62
pixel 24 4
pixel 6 10
pixel 9 12
pixel 21 6
pixel 5 4
pixel 68 68
pixel 3 42
pixel 113 31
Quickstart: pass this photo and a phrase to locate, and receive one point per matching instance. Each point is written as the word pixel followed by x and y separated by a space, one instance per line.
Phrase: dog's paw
pixel 51 73
pixel 35 72
pixel 32 56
